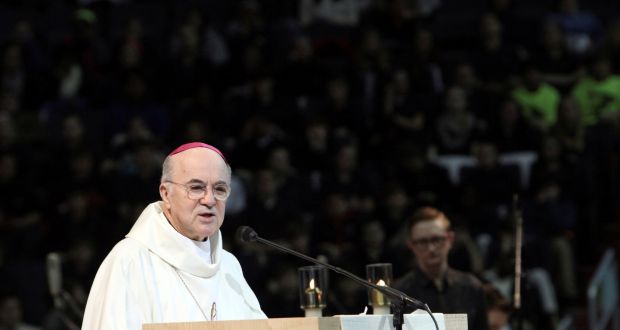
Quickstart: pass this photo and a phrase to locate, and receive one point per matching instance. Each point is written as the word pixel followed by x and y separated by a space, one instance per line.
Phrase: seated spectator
pixel 550 219
pixel 487 190
pixel 538 100
pixel 11 317
pixel 498 308
pixel 394 19
pixel 612 44
pixel 568 129
pixel 482 102
pixel 559 67
pixel 300 74
pixel 598 93
pixel 424 63
pixel 424 181
pixel 511 131
pixel 339 106
pixel 432 280
pixel 494 57
pixel 405 116
pixel 582 29
pixel 553 165
pixel 331 13
pixel 456 126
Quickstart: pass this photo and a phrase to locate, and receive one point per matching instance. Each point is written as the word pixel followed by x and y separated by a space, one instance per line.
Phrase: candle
pixel 313 295
pixel 377 297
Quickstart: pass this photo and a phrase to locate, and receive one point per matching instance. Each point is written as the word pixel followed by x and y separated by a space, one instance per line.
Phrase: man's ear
pixel 410 246
pixel 164 194
pixel 450 238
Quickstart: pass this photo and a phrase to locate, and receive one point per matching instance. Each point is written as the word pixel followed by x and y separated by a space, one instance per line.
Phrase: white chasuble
pixel 157 275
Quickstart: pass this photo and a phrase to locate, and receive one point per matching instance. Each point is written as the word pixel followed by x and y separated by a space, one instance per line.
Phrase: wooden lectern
pixel 452 322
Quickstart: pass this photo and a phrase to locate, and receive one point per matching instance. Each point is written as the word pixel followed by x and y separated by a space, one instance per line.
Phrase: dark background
pixel 336 125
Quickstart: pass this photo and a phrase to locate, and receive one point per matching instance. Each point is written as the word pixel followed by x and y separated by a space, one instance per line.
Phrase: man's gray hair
pixel 166 170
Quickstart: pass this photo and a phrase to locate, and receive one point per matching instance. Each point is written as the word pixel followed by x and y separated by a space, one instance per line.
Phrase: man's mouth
pixel 207 215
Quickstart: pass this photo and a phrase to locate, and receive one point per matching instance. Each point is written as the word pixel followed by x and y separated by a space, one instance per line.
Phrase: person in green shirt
pixel 539 101
pixel 598 94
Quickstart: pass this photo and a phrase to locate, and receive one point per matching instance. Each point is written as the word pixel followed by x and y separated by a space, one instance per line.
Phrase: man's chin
pixel 208 232
pixel 433 266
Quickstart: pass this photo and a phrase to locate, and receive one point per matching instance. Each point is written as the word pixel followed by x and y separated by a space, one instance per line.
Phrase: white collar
pixel 153 230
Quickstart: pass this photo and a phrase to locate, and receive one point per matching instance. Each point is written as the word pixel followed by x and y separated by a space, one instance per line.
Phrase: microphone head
pixel 246 234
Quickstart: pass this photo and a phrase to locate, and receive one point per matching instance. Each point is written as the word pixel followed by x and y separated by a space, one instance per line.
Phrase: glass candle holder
pixel 313 290
pixel 381 275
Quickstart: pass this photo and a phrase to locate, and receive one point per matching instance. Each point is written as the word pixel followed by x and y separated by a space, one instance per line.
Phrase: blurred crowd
pixel 339 118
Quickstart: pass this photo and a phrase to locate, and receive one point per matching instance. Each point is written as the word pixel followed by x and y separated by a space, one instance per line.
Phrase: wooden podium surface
pixel 452 322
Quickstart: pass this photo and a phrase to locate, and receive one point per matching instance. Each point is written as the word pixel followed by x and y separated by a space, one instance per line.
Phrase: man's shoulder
pixel 229 260
pixel 127 250
pixel 405 280
pixel 129 245
pixel 463 278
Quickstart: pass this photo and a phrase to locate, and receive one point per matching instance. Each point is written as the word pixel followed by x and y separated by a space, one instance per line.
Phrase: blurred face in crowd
pixel 430 241
pixel 336 206
pixel 264 88
pixel 553 37
pixel 346 159
pixel 8 167
pixel 601 68
pixel 465 76
pixel 498 319
pixel 373 234
pixel 490 26
pixel 401 81
pixel 72 129
pixel 316 136
pixel 456 100
pixel 338 91
pixel 613 33
pixel 12 57
pixel 10 312
pixel 280 160
pixel 486 154
pixel 423 41
pixel 532 78
pixel 302 50
pixel 568 113
pixel 569 6
pixel 551 149
pixel 266 184
pixel 196 219
pixel 371 43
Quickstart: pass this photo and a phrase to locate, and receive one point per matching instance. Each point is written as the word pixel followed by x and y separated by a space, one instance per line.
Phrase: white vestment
pixel 157 275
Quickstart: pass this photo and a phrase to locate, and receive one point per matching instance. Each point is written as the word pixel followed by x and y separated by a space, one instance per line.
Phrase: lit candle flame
pixel 377 297
pixel 313 295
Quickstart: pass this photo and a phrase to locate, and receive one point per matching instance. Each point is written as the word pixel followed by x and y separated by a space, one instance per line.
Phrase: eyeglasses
pixel 196 191
pixel 428 241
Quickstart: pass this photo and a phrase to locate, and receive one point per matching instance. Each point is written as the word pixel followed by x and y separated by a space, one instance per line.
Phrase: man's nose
pixel 209 198
pixel 432 246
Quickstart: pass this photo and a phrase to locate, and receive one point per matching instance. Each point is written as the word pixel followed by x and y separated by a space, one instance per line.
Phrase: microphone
pixel 399 299
pixel 246 234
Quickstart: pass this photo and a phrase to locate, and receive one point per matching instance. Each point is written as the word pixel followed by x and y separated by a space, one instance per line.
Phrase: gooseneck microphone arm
pixel 399 299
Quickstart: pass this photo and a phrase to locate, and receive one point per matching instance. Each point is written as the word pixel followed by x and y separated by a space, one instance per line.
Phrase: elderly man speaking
pixel 171 267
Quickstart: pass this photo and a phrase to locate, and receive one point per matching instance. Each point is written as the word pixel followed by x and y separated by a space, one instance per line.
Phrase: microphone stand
pixel 518 274
pixel 398 299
